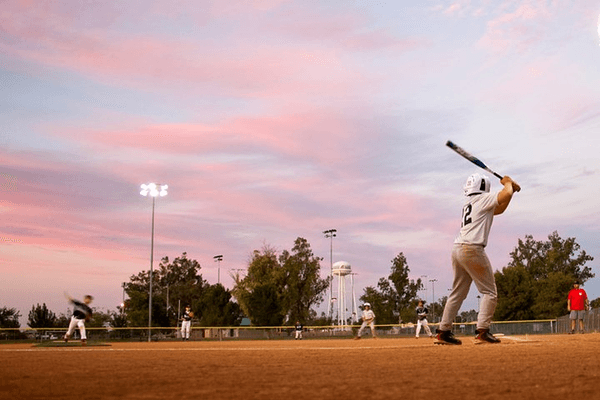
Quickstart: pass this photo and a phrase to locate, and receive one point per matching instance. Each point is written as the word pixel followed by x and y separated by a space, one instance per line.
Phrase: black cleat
pixel 446 337
pixel 484 336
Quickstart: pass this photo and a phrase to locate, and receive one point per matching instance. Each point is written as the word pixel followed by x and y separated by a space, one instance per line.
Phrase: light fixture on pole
pixel 153 190
pixel 330 234
pixel 218 259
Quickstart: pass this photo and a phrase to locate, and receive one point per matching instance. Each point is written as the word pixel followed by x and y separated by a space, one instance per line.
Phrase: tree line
pixel 279 289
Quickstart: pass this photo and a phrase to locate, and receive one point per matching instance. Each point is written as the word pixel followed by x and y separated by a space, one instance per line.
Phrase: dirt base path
pixel 534 367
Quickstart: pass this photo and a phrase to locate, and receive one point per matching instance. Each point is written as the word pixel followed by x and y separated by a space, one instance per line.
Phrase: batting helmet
pixel 477 184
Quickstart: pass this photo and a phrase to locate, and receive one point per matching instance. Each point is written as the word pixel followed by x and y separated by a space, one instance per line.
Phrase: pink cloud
pixel 304 52
pixel 322 136
pixel 517 30
pixel 247 64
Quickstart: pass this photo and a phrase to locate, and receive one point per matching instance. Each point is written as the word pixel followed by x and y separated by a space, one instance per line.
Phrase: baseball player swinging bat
pixel 475 161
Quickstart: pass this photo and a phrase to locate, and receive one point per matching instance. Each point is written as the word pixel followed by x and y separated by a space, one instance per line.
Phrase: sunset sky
pixel 277 119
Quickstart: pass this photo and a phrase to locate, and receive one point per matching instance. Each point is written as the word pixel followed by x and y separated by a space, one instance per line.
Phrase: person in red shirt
pixel 577 304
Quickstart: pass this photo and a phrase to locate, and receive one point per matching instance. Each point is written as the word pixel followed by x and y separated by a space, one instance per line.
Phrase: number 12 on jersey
pixel 466 215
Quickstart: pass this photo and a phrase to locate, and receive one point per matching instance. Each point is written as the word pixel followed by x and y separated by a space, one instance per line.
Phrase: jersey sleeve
pixel 489 201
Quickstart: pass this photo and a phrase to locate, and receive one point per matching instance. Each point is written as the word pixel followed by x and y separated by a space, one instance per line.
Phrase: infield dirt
pixel 534 367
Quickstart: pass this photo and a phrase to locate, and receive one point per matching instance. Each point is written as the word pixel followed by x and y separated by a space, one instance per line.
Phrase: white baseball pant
pixel 364 325
pixel 186 326
pixel 75 322
pixel 423 323
pixel 471 264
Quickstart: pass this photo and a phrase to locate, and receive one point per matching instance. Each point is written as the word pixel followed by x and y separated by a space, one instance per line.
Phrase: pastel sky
pixel 274 119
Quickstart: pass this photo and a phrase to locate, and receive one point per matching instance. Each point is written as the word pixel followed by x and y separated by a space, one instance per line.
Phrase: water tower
pixel 341 270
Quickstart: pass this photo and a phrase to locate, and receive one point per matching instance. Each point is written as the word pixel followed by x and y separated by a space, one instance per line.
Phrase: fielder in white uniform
pixel 186 323
pixel 81 313
pixel 299 328
pixel 368 318
pixel 422 319
pixel 469 260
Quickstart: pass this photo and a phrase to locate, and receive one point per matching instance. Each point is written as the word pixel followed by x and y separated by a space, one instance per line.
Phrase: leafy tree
pixel 217 309
pixel 436 309
pixel 99 319
pixel 303 286
pixel 262 285
pixel 264 306
pixel 172 282
pixel 536 281
pixel 468 316
pixel 9 318
pixel 406 289
pixel 62 320
pixel 551 299
pixel 118 319
pixel 321 320
pixel 515 294
pixel 554 255
pixel 41 317
pixel 282 288
pixel 395 297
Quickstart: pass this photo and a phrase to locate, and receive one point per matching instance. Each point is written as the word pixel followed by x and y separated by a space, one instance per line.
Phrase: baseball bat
pixel 471 158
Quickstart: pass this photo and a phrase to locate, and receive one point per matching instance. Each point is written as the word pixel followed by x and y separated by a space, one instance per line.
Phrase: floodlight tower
pixel 330 234
pixel 154 190
pixel 342 269
pixel 218 260
pixel 433 281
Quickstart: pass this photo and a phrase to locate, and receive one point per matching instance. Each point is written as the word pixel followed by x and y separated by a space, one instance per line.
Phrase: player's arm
pixel 505 195
pixel 568 304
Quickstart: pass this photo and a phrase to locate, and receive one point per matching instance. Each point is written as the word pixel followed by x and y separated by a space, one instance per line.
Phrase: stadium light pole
pixel 218 260
pixel 123 303
pixel 425 276
pixel 153 190
pixel 433 281
pixel 330 234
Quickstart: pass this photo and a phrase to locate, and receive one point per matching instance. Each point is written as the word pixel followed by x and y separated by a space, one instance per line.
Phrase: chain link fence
pixel 561 325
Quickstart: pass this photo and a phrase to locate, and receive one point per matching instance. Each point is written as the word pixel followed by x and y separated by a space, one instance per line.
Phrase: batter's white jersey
pixel 477 218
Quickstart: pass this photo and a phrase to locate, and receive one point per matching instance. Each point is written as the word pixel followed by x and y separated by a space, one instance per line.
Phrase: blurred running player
pixel 81 313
